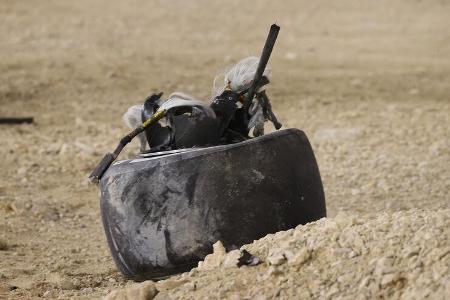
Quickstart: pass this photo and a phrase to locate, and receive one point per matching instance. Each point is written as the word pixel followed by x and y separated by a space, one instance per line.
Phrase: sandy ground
pixel 367 81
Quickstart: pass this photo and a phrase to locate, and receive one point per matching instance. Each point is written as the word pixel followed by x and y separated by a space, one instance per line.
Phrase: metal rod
pixel 11 121
pixel 265 55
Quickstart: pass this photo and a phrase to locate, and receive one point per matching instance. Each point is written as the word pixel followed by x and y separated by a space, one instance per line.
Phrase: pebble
pixel 191 286
pixel 169 284
pixel 356 82
pixel 300 257
pixel 276 258
pixel 66 284
pixel 273 271
pixel 138 291
pixel 291 55
pixel 232 259
pixel 389 278
pixel 221 259
pixel 215 259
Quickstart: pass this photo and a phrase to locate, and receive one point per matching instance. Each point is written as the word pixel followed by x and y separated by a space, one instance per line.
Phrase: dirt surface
pixel 367 81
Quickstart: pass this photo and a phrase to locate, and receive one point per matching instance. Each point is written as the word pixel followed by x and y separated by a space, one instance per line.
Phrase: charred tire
pixel 162 214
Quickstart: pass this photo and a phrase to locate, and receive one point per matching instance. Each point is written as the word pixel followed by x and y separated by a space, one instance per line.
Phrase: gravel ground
pixel 367 81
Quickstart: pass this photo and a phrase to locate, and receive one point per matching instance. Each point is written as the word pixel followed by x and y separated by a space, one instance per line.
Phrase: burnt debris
pixel 239 106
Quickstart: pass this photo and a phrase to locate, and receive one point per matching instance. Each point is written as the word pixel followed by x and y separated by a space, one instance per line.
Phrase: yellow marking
pixel 155 118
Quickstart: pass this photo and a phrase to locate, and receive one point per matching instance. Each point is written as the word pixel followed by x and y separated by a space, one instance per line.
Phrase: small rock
pixel 341 251
pixel 364 282
pixel 23 282
pixel 52 149
pixel 87 290
pixel 410 252
pixel 355 192
pixel 389 279
pixel 111 74
pixel 191 286
pixel 413 91
pixel 273 271
pixel 346 278
pixel 163 296
pixel 356 82
pixel 140 291
pixel 290 56
pixel 64 148
pixel 232 259
pixel 22 171
pixel 332 291
pixel 66 284
pixel 276 258
pixel 215 259
pixel 383 266
pixel 300 257
pixel 352 254
pixel 11 207
pixel 45 211
pixel 60 281
pixel 193 272
pixel 169 284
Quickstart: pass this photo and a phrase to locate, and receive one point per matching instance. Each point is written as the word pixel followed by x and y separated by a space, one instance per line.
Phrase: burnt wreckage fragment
pixel 195 125
pixel 206 172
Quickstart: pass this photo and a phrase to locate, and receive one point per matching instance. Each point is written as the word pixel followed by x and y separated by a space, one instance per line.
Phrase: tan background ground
pixel 368 81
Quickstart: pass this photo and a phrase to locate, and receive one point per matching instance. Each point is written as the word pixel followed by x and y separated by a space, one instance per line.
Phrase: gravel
pixel 402 255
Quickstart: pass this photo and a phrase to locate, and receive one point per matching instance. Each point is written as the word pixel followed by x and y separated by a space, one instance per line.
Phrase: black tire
pixel 163 213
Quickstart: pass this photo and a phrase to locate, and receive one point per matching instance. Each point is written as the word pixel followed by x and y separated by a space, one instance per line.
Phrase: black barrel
pixel 162 214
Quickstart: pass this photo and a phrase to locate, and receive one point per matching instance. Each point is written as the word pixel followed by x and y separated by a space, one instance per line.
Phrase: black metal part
pixel 109 158
pixel 101 167
pixel 267 109
pixel 225 108
pixel 11 121
pixel 194 130
pixel 264 59
pixel 247 259
pixel 162 214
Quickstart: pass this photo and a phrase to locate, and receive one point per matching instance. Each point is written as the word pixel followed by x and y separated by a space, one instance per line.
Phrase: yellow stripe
pixel 155 118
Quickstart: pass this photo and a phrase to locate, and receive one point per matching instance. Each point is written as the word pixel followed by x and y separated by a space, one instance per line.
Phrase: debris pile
pixel 402 255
